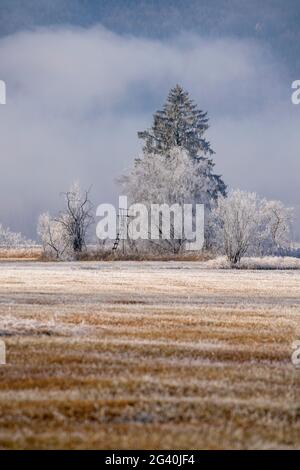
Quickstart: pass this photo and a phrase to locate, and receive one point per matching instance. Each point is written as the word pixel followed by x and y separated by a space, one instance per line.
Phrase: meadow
pixel 148 355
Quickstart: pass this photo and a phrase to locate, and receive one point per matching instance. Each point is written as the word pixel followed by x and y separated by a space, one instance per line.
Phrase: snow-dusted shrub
pixel 9 239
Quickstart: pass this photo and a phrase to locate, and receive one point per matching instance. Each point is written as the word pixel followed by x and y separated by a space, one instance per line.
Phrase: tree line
pixel 176 166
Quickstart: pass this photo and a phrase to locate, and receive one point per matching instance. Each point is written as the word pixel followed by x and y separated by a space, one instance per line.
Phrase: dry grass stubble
pixel 148 355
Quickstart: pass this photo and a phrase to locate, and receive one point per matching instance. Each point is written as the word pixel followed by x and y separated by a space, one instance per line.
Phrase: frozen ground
pixel 148 355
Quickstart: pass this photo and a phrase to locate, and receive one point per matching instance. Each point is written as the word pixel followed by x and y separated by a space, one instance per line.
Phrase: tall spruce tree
pixel 181 124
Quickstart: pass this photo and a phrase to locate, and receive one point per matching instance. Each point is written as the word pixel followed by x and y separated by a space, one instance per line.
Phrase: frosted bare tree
pixel 53 236
pixel 236 222
pixel 244 224
pixel 65 236
pixel 277 221
pixel 77 217
pixel 175 179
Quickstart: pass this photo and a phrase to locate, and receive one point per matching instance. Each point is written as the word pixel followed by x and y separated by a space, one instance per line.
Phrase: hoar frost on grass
pixel 266 262
pixel 11 325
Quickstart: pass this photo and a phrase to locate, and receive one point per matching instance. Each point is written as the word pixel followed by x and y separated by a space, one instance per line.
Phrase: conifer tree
pixel 178 124
pixel 181 124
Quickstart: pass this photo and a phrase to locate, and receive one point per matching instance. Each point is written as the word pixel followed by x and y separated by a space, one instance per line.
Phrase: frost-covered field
pixel 148 355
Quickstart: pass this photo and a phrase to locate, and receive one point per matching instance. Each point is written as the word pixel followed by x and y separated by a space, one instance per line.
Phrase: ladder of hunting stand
pixel 116 242
pixel 122 224
pixel 123 218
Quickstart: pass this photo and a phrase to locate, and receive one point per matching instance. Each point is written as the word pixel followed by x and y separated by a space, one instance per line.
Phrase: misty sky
pixel 84 76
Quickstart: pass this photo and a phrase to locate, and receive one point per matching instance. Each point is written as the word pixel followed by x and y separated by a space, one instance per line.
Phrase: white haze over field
pixel 77 97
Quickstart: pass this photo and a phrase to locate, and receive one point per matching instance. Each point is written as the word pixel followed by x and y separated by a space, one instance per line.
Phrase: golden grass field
pixel 148 356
